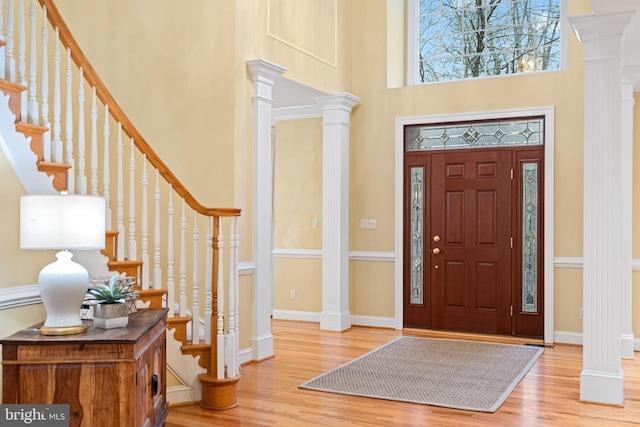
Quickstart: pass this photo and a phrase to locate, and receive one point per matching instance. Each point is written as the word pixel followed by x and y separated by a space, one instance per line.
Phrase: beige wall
pixel 180 75
pixel 372 152
pixel 17 267
pixel 166 68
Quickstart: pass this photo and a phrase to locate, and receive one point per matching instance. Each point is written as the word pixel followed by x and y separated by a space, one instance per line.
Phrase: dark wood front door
pixel 471 241
pixel 473 246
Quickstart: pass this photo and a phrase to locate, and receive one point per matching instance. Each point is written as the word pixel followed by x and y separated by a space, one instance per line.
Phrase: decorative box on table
pixel 86 311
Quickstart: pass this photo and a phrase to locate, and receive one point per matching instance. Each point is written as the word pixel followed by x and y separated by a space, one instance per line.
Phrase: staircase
pixel 201 294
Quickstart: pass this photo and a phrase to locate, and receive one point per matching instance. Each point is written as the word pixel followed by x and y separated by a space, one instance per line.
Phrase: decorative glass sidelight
pixel 530 237
pixel 417 232
pixel 486 134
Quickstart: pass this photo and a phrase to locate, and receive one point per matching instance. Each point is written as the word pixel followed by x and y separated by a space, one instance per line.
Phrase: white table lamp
pixel 66 222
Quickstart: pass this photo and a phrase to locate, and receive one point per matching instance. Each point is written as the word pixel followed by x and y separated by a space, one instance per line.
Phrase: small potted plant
pixel 110 309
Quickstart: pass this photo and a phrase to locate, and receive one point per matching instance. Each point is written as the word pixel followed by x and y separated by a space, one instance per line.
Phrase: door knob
pixel 436 251
pixel 436 238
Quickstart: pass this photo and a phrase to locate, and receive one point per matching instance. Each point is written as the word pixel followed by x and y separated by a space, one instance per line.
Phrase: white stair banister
pixel 183 263
pixel 233 368
pixel 2 38
pixel 69 125
pixel 9 62
pixel 32 108
pixel 208 296
pixel 220 335
pixel 22 67
pixel 90 161
pixel 195 305
pixel 144 228
pixel 171 286
pixel 94 144
pixel 44 90
pixel 157 270
pixel 106 174
pixel 132 249
pixel 56 144
pixel 81 179
pixel 120 198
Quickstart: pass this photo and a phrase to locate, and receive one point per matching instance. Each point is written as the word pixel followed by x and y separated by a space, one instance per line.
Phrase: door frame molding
pixel 548 113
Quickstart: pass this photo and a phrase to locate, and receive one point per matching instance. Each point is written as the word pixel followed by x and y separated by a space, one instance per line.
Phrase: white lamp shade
pixel 54 221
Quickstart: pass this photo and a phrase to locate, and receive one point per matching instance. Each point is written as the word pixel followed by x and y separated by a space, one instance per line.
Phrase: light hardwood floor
pixel 269 395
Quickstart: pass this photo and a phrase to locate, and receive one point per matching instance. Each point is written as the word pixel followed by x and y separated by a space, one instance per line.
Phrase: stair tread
pixel 178 319
pixel 51 166
pixel 30 127
pixel 10 86
pixel 195 347
pixel 149 292
pixel 125 262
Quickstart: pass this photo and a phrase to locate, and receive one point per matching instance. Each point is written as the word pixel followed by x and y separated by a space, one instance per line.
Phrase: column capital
pixel 592 27
pixel 342 101
pixel 263 70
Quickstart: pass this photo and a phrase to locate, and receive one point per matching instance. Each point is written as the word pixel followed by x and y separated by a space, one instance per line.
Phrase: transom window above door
pixel 490 133
pixel 462 39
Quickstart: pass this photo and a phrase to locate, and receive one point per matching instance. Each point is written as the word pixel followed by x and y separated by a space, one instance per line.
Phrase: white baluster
pixel 120 197
pixel 21 45
pixel 56 146
pixel 2 38
pixel 144 236
pixel 106 175
pixel 81 180
pixel 44 89
pixel 9 62
pixel 233 368
pixel 171 291
pixel 22 66
pixel 132 250
pixel 32 113
pixel 94 145
pixel 195 304
pixel 157 271
pixel 183 263
pixel 208 296
pixel 69 126
pixel 220 336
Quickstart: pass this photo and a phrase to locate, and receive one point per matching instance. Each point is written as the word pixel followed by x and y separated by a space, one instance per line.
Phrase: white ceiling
pixel 289 94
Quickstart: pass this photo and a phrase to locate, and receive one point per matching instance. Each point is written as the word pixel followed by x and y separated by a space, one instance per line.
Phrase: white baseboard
pixel 180 394
pixel 356 320
pixel 564 337
pixel 373 321
pixel 301 316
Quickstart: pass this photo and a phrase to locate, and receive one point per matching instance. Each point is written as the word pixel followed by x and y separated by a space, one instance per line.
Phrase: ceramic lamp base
pixel 63 286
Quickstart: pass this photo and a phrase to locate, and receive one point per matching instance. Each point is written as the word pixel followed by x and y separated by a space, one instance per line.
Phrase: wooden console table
pixel 109 377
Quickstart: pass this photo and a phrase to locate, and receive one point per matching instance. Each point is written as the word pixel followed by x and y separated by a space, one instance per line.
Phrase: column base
pixel 602 387
pixel 218 394
pixel 335 321
pixel 627 346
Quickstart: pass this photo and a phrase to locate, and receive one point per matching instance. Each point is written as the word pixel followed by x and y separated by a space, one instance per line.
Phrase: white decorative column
pixel 336 112
pixel 264 75
pixel 626 169
pixel 602 378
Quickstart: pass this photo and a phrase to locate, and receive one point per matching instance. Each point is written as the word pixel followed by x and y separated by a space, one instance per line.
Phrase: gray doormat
pixel 471 375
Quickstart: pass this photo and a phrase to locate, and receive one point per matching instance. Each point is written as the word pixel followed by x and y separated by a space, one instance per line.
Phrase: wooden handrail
pixel 116 112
